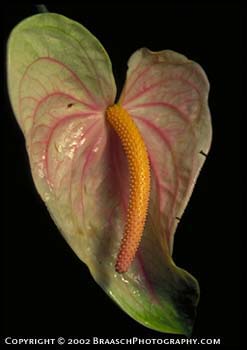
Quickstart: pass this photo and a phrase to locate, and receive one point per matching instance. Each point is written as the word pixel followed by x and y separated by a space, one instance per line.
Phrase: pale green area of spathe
pixel 56 68
pixel 55 36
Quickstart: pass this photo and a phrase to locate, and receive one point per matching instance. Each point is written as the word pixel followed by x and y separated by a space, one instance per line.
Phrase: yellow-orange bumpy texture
pixel 139 191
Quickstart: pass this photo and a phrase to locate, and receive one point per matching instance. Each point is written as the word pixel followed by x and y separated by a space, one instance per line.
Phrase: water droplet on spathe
pixel 46 196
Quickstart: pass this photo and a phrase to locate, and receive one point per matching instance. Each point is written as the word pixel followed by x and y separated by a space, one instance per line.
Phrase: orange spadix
pixel 139 174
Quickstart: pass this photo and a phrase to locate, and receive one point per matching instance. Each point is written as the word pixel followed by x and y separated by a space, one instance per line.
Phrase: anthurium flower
pixel 115 177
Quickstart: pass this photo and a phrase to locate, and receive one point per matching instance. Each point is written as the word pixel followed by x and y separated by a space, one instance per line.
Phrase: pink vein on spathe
pixel 126 90
pixel 54 93
pixel 86 163
pixel 155 84
pixel 50 134
pixel 93 107
pixel 75 147
pixel 162 104
pixel 73 74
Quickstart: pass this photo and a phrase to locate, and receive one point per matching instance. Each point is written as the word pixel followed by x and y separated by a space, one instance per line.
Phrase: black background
pixel 47 290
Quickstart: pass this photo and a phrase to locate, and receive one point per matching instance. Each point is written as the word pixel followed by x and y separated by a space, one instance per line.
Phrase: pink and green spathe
pixel 61 83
